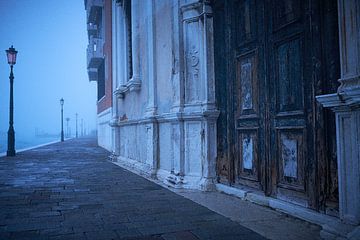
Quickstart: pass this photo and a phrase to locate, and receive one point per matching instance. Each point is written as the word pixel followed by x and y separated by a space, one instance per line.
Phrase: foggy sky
pixel 50 37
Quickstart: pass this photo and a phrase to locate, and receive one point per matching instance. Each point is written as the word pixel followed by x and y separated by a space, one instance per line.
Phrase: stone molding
pixel 132 85
pixel 170 117
pixel 105 112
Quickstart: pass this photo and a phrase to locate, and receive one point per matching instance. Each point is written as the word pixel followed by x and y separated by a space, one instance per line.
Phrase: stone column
pixel 135 81
pixel 151 108
pixel 117 21
pixel 346 105
pixel 152 128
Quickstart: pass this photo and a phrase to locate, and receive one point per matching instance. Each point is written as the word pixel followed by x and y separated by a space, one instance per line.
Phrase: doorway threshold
pixel 332 227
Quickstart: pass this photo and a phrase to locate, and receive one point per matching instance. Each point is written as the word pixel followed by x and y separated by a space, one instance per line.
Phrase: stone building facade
pixel 228 95
pixel 99 63
pixel 165 119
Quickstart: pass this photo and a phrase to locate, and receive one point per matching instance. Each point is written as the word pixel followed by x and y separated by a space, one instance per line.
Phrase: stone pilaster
pixel 200 113
pixel 151 108
pixel 152 146
pixel 346 105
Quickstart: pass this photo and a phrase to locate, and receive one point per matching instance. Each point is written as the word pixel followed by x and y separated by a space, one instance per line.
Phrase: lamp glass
pixel 62 101
pixel 11 55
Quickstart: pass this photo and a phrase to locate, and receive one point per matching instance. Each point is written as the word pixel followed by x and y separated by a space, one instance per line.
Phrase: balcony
pixel 92 29
pixel 95 52
pixel 93 74
pixel 94 9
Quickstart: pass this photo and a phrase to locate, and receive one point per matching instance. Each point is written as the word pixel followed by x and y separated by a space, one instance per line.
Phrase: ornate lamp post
pixel 62 119
pixel 11 56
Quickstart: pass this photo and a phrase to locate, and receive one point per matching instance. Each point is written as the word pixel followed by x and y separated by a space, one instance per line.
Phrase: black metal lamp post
pixel 62 119
pixel 11 56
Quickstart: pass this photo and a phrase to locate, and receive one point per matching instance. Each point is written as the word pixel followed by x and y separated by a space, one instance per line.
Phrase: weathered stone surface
pixel 70 191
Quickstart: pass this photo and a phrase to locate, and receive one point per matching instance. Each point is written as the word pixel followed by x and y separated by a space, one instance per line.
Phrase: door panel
pixel 247 85
pixel 290 157
pixel 288 77
pixel 246 22
pixel 285 12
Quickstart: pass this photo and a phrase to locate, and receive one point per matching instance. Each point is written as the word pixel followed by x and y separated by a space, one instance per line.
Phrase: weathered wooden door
pixel 269 56
pixel 240 67
pixel 250 93
pixel 291 147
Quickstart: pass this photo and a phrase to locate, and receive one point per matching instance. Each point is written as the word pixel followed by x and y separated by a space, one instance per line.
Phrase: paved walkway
pixel 272 224
pixel 69 191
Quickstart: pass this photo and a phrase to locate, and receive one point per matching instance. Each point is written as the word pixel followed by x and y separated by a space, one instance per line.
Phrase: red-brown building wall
pixel 106 101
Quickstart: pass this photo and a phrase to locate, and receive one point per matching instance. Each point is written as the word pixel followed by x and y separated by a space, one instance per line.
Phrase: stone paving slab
pixel 265 221
pixel 69 190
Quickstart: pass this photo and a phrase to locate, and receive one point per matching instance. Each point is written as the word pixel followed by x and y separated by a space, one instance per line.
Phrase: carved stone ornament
pixel 193 58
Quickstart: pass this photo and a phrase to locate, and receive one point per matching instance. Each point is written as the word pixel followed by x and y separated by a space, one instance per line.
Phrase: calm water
pixel 22 142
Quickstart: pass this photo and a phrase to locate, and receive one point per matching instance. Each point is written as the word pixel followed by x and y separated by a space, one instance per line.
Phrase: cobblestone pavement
pixel 69 191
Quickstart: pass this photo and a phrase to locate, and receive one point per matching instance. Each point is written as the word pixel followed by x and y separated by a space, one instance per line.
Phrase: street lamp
pixel 76 125
pixel 82 127
pixel 11 57
pixel 62 119
pixel 67 126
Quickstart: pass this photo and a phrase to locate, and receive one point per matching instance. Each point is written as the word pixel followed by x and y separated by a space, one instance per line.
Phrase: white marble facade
pixel 164 116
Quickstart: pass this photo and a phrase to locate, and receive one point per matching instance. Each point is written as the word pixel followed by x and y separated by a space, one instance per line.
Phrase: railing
pixel 93 74
pixel 95 52
pixel 92 29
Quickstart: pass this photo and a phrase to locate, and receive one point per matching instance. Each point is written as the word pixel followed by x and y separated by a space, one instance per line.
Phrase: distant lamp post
pixel 82 127
pixel 76 125
pixel 67 126
pixel 11 57
pixel 62 119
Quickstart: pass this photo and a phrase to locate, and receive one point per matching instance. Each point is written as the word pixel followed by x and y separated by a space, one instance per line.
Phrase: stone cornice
pixel 169 117
pixel 338 101
pixel 348 95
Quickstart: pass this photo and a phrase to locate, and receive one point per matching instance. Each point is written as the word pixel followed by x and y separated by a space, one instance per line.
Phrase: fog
pixel 50 37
